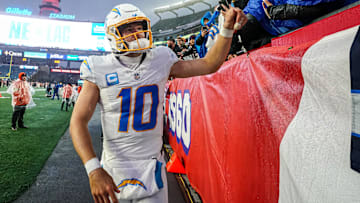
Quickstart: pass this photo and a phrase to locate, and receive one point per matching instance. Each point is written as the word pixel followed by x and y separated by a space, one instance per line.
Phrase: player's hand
pixel 234 18
pixel 102 186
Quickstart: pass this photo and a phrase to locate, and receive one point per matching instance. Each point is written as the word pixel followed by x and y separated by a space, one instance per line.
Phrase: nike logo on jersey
pixel 132 181
pixel 112 79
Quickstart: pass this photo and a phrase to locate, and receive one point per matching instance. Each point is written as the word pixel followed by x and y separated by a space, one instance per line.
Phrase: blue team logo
pixel 112 79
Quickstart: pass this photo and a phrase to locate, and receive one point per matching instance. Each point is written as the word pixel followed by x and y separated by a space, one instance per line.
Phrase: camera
pixel 204 28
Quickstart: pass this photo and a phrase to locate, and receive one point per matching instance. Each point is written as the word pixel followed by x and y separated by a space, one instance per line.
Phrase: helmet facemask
pixel 122 43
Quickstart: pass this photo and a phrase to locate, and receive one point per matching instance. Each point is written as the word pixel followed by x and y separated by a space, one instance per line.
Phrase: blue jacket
pixel 277 27
pixel 201 49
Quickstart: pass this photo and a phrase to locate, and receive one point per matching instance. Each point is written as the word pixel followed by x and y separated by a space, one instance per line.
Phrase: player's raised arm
pixel 217 54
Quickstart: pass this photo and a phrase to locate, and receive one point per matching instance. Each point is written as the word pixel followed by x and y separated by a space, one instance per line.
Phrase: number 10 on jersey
pixel 141 103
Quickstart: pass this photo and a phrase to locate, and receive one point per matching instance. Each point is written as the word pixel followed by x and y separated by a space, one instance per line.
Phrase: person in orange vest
pixel 21 92
pixel 67 92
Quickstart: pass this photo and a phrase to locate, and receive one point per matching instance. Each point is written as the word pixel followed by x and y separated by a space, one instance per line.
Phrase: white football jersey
pixel 131 101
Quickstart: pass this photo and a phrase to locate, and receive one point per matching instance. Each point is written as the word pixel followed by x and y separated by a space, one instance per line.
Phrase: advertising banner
pixel 273 126
pixel 26 31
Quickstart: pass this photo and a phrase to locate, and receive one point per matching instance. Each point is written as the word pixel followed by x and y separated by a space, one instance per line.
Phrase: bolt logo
pixel 112 79
pixel 180 118
pixel 132 181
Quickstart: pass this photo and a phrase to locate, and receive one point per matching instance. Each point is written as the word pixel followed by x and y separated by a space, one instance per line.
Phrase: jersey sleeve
pixel 171 56
pixel 87 71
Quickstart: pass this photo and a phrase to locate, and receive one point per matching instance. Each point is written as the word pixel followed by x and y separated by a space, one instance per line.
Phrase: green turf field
pixel 24 152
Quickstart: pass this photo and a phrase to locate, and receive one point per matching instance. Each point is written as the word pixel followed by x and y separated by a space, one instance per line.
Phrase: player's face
pixel 23 78
pixel 132 28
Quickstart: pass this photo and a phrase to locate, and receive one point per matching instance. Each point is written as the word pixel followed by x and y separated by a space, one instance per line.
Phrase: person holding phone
pixel 208 29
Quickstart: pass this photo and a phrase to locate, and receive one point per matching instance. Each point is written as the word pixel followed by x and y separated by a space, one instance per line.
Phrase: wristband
pixel 227 33
pixel 92 164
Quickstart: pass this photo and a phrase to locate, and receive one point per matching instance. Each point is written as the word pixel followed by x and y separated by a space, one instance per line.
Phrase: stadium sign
pixel 29 67
pixel 34 32
pixel 65 71
pixel 72 57
pixel 180 118
pixel 98 29
pixel 12 53
pixel 62 16
pixel 18 11
pixel 38 55
pixel 82 58
pixel 56 56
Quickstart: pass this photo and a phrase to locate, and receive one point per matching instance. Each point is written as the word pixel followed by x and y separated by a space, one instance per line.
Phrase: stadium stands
pixel 172 23
pixel 180 25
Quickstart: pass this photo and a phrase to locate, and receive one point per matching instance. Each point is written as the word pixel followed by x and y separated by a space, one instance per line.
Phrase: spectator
pixel 269 18
pixel 67 92
pixel 208 29
pixel 280 16
pixel 190 53
pixel 21 92
pixel 74 94
pixel 173 46
pixel 252 35
pixel 56 91
pixel 48 90
pixel 181 43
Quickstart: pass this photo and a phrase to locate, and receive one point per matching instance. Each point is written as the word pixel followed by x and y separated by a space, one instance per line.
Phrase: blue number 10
pixel 140 106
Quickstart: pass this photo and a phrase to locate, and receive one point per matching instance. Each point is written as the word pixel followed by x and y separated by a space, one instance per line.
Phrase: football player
pixel 128 85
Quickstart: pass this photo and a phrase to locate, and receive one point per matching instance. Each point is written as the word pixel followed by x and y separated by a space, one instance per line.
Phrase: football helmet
pixel 121 15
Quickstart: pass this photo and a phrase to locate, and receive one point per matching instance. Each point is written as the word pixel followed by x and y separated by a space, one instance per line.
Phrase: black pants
pixel 67 104
pixel 18 115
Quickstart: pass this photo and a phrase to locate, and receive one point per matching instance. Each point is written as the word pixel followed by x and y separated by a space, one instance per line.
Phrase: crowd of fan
pixel 266 19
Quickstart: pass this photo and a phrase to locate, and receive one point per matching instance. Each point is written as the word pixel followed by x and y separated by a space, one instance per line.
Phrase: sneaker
pixel 23 127
pixel 13 128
